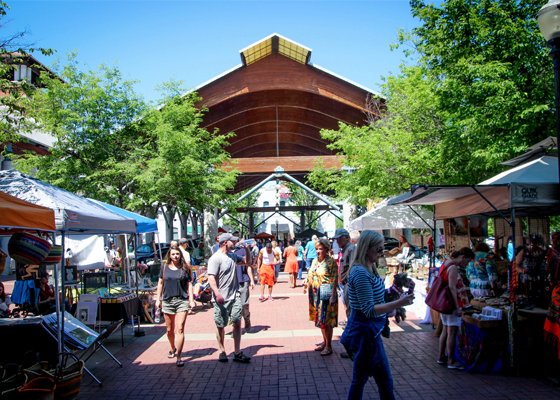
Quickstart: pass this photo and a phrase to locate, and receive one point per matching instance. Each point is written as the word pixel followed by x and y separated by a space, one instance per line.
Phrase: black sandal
pixel 179 363
pixel 172 353
pixel 241 358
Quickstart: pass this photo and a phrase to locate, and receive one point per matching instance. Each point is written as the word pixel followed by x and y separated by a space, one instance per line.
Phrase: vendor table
pixel 482 349
pixel 115 308
pixel 25 339
pixel 121 307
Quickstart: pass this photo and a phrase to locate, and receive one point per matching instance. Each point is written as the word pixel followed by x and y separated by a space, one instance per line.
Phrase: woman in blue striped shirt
pixel 362 336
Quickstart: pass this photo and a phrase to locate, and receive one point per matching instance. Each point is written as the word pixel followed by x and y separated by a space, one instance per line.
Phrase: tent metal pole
pixel 501 214
pixel 59 294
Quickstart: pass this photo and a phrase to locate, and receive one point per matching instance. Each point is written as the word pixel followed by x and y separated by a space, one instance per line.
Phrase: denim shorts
pixel 451 320
pixel 175 305
pixel 229 312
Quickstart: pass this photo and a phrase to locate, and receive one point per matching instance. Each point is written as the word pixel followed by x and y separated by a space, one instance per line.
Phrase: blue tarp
pixel 143 224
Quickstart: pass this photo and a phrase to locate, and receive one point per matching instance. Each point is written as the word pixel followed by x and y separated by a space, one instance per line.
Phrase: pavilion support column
pixel 302 221
pixel 210 227
pixel 251 223
pixel 194 222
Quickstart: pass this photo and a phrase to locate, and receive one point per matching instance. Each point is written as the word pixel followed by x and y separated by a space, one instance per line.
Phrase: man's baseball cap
pixel 340 232
pixel 224 237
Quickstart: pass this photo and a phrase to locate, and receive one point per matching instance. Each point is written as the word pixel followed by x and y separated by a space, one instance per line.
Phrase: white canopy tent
pixel 74 215
pixel 385 216
pixel 529 186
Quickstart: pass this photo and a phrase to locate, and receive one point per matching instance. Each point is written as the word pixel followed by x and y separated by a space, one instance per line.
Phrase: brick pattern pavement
pixel 284 365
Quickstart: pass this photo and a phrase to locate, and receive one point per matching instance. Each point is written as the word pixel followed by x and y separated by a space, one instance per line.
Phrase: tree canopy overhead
pixel 478 91
pixel 112 147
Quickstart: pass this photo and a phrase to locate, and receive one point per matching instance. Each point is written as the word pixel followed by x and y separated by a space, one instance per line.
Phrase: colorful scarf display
pixel 552 321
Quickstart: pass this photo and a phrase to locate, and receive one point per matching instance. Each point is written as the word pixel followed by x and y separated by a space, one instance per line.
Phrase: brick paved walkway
pixel 284 365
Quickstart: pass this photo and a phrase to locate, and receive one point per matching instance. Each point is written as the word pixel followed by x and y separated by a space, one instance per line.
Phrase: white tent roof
pixel 73 213
pixel 384 216
pixel 530 185
pixel 541 170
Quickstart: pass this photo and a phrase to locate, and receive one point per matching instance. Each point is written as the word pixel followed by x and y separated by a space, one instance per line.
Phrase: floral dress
pixel 321 311
pixel 481 274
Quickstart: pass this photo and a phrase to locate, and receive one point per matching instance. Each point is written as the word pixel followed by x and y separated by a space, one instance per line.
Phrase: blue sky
pixel 194 41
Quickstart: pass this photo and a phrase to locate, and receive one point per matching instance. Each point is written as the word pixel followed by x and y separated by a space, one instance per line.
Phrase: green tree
pixel 400 148
pixel 112 147
pixel 180 161
pixel 478 93
pixel 14 96
pixel 90 114
pixel 494 80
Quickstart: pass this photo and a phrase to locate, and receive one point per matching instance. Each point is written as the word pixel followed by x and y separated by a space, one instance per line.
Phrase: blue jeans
pixel 308 262
pixel 276 271
pixel 300 269
pixel 382 374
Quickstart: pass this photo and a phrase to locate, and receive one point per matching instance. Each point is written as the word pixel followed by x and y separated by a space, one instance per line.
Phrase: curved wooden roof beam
pixel 277 102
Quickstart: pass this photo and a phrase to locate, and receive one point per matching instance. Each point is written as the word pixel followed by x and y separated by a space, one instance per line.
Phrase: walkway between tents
pixel 284 365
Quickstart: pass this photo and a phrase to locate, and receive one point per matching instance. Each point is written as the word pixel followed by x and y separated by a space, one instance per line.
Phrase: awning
pixel 20 214
pixel 385 216
pixel 143 224
pixel 530 187
pixel 73 214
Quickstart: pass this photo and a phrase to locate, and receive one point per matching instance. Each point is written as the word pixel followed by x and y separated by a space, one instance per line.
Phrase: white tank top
pixel 268 258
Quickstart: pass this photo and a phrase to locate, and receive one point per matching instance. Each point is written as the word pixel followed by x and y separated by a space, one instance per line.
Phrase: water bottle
pixel 157 316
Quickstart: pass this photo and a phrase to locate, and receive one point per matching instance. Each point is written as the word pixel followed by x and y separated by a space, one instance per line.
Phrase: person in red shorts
pixel 265 265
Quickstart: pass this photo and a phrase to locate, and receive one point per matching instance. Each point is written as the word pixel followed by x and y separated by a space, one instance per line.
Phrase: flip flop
pixel 172 353
pixel 320 347
pixel 179 363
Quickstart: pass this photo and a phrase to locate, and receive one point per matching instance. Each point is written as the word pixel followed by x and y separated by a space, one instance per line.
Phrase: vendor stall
pixel 143 225
pixel 528 190
pixel 73 215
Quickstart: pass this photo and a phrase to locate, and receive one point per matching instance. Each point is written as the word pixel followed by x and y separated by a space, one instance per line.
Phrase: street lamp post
pixel 548 18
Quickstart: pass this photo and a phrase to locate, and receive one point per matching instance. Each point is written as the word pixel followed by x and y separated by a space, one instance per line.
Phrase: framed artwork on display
pixel 86 312
pixel 71 274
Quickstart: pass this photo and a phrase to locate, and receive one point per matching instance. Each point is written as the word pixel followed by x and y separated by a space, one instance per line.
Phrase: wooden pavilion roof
pixel 276 102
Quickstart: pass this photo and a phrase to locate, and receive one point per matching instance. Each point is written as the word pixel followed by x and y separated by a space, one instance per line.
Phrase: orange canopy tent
pixel 19 214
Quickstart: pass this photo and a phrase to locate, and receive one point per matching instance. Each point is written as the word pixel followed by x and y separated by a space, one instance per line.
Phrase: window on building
pixel 266 203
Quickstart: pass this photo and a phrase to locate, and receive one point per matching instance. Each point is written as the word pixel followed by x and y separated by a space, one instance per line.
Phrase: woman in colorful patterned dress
pixel 481 272
pixel 323 276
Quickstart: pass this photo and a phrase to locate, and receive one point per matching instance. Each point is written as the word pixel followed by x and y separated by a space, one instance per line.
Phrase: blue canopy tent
pixel 143 224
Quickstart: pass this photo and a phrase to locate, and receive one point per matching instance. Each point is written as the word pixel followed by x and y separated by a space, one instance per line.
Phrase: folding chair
pixel 82 350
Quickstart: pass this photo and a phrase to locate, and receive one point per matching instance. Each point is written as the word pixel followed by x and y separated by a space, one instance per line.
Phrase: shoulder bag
pixel 439 297
pixel 325 291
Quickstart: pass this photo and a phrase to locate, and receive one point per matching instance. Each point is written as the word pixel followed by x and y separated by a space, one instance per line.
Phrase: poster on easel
pixel 75 331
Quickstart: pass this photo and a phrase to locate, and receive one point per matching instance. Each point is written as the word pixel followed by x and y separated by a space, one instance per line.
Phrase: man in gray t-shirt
pixel 222 278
